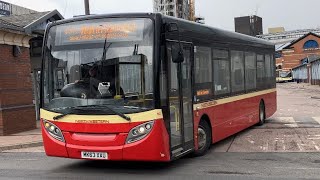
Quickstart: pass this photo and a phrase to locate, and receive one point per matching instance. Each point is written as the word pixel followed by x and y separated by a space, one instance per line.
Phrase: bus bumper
pixel 154 147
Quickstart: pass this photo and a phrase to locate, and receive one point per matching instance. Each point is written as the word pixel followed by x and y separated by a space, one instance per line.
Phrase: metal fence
pixel 315 72
pixel 307 73
pixel 300 74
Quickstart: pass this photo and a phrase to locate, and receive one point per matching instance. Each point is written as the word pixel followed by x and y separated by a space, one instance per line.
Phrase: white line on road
pixel 308 168
pixel 288 121
pixel 317 119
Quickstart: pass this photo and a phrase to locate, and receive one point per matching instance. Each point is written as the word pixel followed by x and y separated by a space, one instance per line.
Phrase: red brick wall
pixel 17 112
pixel 293 59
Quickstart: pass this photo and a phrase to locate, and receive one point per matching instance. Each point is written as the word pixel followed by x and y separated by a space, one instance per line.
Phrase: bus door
pixel 180 99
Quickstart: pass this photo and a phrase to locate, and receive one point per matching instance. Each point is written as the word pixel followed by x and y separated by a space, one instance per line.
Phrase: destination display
pixel 90 32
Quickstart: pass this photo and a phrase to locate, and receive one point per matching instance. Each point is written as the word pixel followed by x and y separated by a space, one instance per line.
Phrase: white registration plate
pixel 94 155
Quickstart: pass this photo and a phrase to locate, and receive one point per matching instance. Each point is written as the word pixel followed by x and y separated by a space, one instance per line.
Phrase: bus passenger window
pixel 237 71
pixel 221 72
pixel 203 72
pixel 250 69
pixel 260 71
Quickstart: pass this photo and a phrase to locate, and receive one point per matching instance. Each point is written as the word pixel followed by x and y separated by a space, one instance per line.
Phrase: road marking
pixel 317 119
pixel 297 168
pixel 288 121
pixel 315 146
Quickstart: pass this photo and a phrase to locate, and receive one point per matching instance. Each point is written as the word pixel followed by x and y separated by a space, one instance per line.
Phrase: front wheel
pixel 204 138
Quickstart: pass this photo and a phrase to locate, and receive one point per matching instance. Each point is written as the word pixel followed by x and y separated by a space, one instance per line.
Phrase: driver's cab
pixel 117 78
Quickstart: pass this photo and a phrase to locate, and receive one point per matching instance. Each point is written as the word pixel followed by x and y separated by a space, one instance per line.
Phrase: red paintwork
pixel 226 120
pixel 91 137
pixel 231 118
pixel 52 146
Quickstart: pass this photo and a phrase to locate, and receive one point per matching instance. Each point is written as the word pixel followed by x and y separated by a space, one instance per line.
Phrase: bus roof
pixel 201 31
pixel 215 34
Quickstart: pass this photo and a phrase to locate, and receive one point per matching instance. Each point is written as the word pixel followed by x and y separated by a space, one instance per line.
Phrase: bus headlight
pixel 53 130
pixel 139 132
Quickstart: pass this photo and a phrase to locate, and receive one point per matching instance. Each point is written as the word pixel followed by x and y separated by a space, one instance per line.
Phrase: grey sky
pixel 291 14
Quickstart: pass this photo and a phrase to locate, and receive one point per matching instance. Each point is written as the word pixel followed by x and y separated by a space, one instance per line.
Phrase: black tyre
pixel 204 138
pixel 262 114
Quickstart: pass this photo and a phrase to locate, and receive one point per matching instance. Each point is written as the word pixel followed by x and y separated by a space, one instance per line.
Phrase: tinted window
pixel 268 66
pixel 250 69
pixel 203 73
pixel 260 71
pixel 221 70
pixel 237 71
pixel 203 68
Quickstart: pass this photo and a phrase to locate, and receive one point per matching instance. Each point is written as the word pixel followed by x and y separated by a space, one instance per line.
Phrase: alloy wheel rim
pixel 202 138
pixel 261 114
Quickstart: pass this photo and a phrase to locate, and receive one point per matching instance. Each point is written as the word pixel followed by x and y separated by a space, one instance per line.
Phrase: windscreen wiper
pixel 112 110
pixel 91 107
pixel 105 49
pixel 70 109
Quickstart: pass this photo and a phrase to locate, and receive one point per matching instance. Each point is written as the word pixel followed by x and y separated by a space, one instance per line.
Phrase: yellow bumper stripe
pixel 103 119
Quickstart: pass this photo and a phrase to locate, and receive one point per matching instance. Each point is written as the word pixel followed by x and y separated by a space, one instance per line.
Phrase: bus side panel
pixel 231 118
pixel 270 103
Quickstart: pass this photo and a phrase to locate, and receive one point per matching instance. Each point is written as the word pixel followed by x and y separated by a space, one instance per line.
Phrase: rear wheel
pixel 262 114
pixel 204 138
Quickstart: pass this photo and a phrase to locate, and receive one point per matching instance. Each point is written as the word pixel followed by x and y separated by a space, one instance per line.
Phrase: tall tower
pixel 249 25
pixel 175 8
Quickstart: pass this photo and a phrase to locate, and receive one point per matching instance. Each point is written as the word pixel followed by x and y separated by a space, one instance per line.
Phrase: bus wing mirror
pixel 172 27
pixel 177 50
pixel 179 58
pixel 177 53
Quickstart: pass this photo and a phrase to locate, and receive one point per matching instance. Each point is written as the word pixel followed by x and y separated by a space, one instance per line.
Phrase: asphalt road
pixel 212 166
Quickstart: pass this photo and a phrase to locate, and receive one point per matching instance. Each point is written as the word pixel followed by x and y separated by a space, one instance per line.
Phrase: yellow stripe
pixel 231 99
pixel 104 119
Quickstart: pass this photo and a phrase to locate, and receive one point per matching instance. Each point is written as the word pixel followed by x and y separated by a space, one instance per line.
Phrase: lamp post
pixel 87 7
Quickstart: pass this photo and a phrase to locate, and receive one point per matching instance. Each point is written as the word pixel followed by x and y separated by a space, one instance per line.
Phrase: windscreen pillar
pixel 17 112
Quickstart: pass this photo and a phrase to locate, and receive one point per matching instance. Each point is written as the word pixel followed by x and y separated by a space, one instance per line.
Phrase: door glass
pixel 187 95
pixel 174 102
pixel 180 99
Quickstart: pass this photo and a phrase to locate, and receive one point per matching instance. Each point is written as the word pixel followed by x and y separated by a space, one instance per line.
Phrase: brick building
pixel 303 50
pixel 21 38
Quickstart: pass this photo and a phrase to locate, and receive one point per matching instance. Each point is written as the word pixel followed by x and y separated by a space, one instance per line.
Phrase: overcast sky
pixel 291 14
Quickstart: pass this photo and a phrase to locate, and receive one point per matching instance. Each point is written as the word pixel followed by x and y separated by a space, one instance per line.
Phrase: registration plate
pixel 94 155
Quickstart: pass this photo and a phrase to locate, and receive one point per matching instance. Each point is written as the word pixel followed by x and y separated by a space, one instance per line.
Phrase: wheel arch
pixel 206 118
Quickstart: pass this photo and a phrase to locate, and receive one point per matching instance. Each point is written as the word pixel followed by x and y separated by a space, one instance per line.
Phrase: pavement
pixel 28 139
pixel 294 128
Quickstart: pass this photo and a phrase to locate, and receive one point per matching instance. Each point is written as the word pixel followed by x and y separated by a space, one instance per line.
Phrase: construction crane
pixel 179 8
pixel 192 10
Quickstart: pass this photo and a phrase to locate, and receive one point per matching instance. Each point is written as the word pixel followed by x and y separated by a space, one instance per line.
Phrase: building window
pixel 311 44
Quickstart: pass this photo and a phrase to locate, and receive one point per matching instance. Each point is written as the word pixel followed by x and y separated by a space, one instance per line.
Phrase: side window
pixel 260 71
pixel 273 66
pixel 237 71
pixel 203 65
pixel 251 71
pixel 268 67
pixel 203 73
pixel 221 70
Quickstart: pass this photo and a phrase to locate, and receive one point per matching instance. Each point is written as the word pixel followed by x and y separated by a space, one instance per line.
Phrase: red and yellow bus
pixel 148 87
